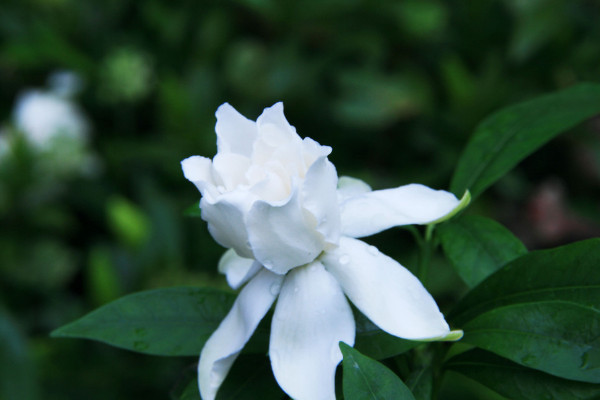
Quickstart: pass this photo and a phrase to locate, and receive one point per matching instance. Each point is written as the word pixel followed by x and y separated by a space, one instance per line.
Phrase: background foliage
pixel 396 88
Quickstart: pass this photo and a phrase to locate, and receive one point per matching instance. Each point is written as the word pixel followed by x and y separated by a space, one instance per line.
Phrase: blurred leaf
pixel 171 322
pixel 422 19
pixel 102 280
pixel 128 221
pixel 517 382
pixel 193 211
pixel 541 311
pixel 17 381
pixel 538 22
pixel 366 379
pixel 511 134
pixel 478 246
pixel 372 99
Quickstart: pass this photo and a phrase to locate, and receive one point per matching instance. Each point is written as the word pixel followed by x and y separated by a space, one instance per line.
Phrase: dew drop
pixel 373 250
pixel 275 289
pixel 344 259
pixel 221 189
pixel 296 289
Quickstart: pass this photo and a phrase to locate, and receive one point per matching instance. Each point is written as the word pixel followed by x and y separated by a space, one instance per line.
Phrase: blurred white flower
pixel 43 116
pixel 275 201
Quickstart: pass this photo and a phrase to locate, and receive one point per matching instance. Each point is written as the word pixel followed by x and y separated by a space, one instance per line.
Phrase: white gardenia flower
pixel 275 201
pixel 42 116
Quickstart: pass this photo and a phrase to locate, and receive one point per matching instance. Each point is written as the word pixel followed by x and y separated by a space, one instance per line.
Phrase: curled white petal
pixel 386 292
pixel 238 270
pixel 372 212
pixel 226 220
pixel 319 198
pixel 198 170
pixel 235 133
pixel 225 344
pixel 311 317
pixel 281 237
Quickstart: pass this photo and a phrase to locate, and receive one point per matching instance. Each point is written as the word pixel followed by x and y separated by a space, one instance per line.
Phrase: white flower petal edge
pixel 368 213
pixel 238 270
pixel 386 292
pixel 311 317
pixel 225 344
pixel 235 133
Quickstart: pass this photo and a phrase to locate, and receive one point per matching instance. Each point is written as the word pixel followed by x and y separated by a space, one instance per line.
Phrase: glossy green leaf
pixel 478 246
pixel 505 138
pixel 541 310
pixel 517 382
pixel 171 322
pixel 366 379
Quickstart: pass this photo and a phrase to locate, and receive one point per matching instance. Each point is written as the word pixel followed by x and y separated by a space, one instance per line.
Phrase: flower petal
pixel 238 270
pixel 225 219
pixel 231 168
pixel 350 187
pixel 281 237
pixel 386 292
pixel 320 199
pixel 311 317
pixel 373 212
pixel 198 170
pixel 235 133
pixel 274 128
pixel 225 344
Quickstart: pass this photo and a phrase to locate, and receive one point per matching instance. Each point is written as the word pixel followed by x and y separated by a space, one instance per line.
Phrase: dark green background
pixel 395 87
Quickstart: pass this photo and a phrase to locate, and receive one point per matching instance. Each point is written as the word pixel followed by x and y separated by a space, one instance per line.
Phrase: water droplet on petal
pixel 221 189
pixel 296 289
pixel 275 289
pixel 373 250
pixel 344 259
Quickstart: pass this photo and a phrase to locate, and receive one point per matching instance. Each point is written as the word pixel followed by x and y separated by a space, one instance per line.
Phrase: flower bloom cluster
pixel 291 228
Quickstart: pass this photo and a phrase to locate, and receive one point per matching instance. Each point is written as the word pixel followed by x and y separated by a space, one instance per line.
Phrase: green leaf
pixel 366 379
pixel 508 136
pixel 171 322
pixel 478 246
pixel 517 382
pixel 541 310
